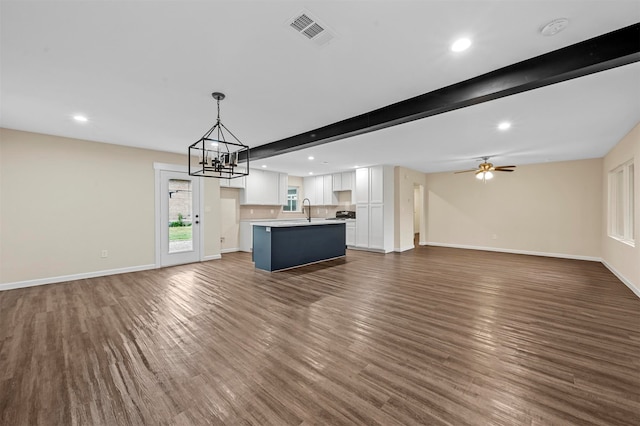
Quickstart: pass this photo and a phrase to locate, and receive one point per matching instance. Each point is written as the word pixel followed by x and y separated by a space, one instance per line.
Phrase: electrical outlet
pixel 272 211
pixel 494 237
pixel 104 253
pixel 251 211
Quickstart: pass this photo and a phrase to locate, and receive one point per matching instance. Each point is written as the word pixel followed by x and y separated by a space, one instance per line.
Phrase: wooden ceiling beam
pixel 614 49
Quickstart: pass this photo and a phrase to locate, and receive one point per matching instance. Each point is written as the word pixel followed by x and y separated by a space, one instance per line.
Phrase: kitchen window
pixel 292 200
pixel 621 203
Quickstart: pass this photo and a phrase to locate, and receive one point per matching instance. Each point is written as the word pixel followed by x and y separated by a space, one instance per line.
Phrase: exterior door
pixel 180 218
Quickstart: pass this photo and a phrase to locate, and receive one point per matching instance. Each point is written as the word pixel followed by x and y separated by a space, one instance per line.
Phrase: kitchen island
pixel 284 245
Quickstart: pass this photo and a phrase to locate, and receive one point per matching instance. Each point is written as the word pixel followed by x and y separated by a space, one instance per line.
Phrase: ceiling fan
pixel 485 170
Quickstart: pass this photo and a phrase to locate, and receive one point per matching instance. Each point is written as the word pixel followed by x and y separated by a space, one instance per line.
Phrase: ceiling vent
pixel 310 28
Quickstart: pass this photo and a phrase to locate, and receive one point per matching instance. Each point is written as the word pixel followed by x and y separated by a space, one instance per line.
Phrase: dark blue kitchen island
pixel 284 245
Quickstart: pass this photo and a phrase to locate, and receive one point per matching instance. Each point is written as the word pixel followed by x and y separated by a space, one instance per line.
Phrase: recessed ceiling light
pixel 356 166
pixel 461 44
pixel 80 118
pixel 311 157
pixel 214 144
pixel 310 173
pixel 264 166
pixel 504 125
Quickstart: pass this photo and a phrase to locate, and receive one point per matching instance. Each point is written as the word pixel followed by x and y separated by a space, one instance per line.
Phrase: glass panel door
pixel 180 218
pixel 180 221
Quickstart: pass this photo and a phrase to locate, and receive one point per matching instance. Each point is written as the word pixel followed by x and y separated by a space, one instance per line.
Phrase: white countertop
pixel 281 224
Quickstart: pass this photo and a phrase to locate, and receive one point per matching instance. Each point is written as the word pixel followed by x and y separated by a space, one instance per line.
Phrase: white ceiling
pixel 143 73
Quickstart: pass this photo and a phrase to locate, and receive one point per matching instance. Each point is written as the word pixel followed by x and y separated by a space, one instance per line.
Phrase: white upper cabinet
pixel 348 181
pixel 329 197
pixel 337 181
pixel 376 184
pixel 233 183
pixel 264 188
pixel 319 190
pixel 283 188
pixel 343 181
pixel 309 184
pixel 362 185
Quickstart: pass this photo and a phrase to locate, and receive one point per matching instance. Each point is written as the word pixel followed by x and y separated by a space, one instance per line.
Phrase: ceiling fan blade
pixel 504 167
pixel 466 171
pixel 503 170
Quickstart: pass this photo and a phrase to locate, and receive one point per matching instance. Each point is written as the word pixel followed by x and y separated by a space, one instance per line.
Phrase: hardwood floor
pixel 432 336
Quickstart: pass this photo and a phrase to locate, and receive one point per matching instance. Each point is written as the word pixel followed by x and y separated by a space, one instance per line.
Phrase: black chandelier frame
pixel 215 156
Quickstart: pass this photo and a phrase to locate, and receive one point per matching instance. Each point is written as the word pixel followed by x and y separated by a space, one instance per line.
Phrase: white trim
pixel 164 167
pixel 212 257
pixel 74 277
pixel 229 250
pixel 400 250
pixel 514 251
pixel 170 167
pixel 622 278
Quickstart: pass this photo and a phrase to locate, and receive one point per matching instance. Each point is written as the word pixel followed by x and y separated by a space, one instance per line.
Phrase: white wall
pixel 64 200
pixel 551 208
pixel 621 258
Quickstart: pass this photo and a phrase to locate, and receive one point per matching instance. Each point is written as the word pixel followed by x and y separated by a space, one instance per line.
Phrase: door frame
pixel 164 167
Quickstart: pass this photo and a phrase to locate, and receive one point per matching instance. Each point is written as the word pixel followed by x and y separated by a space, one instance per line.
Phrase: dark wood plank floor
pixel 432 336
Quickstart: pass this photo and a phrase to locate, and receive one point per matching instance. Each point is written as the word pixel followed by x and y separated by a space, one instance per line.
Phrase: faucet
pixel 309 212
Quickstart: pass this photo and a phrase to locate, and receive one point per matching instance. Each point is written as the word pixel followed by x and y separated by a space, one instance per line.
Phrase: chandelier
pixel 216 157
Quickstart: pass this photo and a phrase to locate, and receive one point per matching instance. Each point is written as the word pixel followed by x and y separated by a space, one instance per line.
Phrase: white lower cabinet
pixel 351 233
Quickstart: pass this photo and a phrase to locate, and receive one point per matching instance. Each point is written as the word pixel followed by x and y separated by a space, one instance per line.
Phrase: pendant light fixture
pixel 216 157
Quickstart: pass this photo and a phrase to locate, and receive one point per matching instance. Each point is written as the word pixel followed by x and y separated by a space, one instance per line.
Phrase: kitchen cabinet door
pixel 362 186
pixel 376 226
pixel 309 183
pixel 337 181
pixel 283 188
pixel 329 198
pixel 347 180
pixel 362 225
pixel 376 184
pixel 351 234
pixel 319 200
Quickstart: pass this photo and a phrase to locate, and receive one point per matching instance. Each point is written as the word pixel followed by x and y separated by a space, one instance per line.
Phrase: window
pixel 292 200
pixel 621 203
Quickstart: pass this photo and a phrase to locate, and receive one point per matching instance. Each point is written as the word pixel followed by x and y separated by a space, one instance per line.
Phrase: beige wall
pixel 64 200
pixel 621 257
pixel 229 218
pixel 553 208
pixel 406 181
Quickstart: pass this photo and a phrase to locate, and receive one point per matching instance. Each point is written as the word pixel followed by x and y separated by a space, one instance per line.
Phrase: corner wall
pixel 621 258
pixel 550 209
pixel 64 200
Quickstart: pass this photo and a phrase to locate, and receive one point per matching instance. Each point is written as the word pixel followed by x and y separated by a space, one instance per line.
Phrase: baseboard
pixel 622 278
pixel 73 277
pixel 400 250
pixel 514 251
pixel 212 257
pixel 229 250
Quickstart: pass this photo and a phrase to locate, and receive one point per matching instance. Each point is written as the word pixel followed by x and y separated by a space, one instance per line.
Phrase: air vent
pixel 310 28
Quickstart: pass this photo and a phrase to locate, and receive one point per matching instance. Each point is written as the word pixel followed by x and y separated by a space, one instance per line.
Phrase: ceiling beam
pixel 614 49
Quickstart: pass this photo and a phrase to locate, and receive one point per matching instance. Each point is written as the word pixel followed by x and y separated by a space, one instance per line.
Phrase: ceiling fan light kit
pixel 216 157
pixel 485 170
